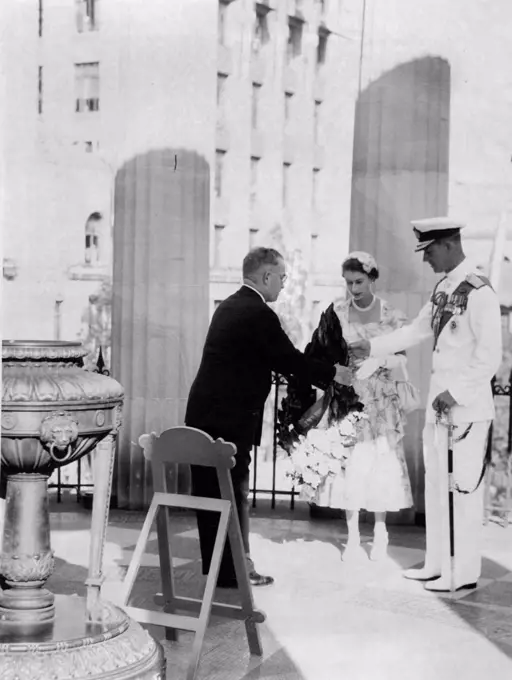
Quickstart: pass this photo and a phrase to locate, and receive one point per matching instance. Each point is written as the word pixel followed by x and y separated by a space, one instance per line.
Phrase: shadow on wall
pixel 160 309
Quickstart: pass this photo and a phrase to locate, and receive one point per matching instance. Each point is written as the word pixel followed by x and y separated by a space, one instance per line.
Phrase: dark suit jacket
pixel 244 344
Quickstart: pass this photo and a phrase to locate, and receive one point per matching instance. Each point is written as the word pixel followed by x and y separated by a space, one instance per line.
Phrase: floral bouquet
pixel 322 453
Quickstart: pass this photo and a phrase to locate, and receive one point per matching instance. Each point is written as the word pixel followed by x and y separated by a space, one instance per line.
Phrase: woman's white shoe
pixel 379 549
pixel 353 551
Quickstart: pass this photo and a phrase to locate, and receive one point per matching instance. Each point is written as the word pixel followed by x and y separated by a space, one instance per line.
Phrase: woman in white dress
pixel 376 476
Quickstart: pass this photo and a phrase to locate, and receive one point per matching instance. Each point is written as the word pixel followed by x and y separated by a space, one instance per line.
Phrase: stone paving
pixel 325 619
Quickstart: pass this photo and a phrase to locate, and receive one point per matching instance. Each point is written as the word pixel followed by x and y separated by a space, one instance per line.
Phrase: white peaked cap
pixel 431 229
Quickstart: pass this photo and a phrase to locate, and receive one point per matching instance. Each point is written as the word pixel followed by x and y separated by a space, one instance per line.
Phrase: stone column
pixel 166 138
pixel 160 300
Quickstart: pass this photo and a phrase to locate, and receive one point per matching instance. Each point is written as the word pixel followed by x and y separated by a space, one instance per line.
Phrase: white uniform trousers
pixel 468 456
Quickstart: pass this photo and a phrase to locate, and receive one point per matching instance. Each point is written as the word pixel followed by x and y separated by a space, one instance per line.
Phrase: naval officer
pixel 463 319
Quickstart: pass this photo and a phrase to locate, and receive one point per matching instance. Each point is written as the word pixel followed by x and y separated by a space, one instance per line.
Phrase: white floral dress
pixel 375 475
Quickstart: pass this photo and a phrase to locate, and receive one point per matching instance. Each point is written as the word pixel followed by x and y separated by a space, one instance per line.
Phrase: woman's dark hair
pixel 354 265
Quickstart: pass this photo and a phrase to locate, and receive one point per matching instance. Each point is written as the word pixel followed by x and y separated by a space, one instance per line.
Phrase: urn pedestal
pixel 54 412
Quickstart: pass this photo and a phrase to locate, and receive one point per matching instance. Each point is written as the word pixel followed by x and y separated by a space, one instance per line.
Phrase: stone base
pixel 69 647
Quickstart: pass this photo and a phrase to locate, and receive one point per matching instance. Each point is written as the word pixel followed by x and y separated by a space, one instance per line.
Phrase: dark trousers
pixel 205 484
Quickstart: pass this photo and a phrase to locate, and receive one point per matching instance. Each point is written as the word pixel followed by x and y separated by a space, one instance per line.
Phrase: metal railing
pixel 278 382
pixel 503 459
pixel 500 459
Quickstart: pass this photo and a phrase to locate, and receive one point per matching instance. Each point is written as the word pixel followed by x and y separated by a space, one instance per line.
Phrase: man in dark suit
pixel 245 343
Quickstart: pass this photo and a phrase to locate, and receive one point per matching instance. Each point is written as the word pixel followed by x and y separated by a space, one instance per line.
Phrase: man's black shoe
pixel 255 579
pixel 260 580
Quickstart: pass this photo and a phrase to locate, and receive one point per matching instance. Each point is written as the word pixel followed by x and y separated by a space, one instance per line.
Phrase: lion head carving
pixel 59 431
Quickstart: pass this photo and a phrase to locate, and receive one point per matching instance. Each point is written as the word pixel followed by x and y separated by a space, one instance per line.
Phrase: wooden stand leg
pixel 209 591
pixel 2 512
pixel 508 506
pixel 240 562
pixel 103 471
pixel 166 567
pixel 193 447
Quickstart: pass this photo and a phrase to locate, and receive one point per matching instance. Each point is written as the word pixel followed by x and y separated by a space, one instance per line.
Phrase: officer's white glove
pixel 394 361
pixel 368 368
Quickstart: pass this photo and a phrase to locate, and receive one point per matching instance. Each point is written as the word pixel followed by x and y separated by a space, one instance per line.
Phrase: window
pixel 317 122
pixel 40 19
pixel 222 80
pixel 255 105
pixel 254 179
pixel 217 245
pixel 87 86
pixel 294 44
pixel 88 146
pixel 92 238
pixel 40 90
pixel 219 172
pixel 315 188
pixel 321 48
pixel 253 237
pixel 286 183
pixel 86 15
pixel 222 20
pixel 261 34
pixel 288 99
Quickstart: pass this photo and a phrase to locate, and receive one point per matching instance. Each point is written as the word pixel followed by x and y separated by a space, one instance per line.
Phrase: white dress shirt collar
pixel 256 291
pixel 459 273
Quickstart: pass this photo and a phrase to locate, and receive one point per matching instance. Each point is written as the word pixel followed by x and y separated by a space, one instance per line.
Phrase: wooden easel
pixel 187 445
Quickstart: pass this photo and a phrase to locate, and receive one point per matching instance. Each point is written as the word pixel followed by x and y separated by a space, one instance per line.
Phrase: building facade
pixel 319 126
pixel 79 102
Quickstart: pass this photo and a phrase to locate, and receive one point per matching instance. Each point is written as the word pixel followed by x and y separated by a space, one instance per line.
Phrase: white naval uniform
pixel 467 356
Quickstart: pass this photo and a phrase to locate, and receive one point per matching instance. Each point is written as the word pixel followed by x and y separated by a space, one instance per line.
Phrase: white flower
pixel 317 438
pixel 346 428
pixel 367 261
pixel 288 467
pixel 300 457
pixel 310 477
pixel 323 468
pixel 338 452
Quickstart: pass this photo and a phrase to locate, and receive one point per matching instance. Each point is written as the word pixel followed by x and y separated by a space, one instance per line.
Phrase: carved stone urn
pixel 53 413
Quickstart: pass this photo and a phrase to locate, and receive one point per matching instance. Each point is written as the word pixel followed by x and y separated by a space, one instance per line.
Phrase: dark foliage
pixel 327 344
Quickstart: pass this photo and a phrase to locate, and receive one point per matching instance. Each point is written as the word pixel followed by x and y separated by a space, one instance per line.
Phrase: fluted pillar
pixel 160 299
pixel 165 148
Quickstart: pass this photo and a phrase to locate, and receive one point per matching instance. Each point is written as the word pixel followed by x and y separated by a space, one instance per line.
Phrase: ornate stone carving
pixel 39 381
pixel 41 350
pixel 71 383
pixel 132 654
pixel 26 568
pixel 118 419
pixel 9 421
pixel 59 430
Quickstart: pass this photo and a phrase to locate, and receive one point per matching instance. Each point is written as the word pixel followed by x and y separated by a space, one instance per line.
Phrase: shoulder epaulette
pixel 477 280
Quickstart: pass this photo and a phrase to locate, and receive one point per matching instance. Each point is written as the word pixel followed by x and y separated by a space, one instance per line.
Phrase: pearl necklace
pixel 364 309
